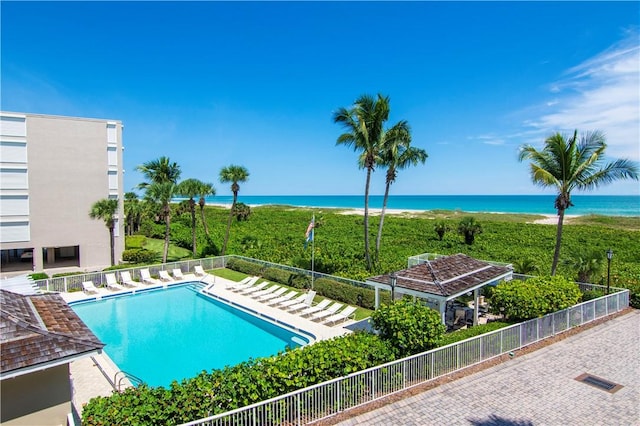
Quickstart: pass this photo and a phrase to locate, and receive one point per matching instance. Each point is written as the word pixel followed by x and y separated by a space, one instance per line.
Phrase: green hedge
pixel 350 294
pixel 139 256
pixel 476 330
pixel 249 268
pixel 277 275
pixel 535 297
pixel 39 276
pixel 243 384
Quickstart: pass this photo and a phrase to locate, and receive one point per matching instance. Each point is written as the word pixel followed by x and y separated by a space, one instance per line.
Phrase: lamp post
pixel 394 280
pixel 609 257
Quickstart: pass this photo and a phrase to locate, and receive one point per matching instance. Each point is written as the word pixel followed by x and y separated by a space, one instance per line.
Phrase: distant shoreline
pixel 547 219
pixel 584 205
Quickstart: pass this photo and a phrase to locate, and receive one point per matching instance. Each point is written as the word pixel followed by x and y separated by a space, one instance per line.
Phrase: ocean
pixel 607 205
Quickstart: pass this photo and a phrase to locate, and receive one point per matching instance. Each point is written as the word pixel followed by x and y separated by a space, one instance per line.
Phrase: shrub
pixel 410 327
pixel 591 294
pixel 134 241
pixel 350 294
pixel 249 268
pixel 38 276
pixel 535 297
pixel 300 281
pixel 139 256
pixel 240 385
pixel 277 275
pixel 466 333
pixel 634 295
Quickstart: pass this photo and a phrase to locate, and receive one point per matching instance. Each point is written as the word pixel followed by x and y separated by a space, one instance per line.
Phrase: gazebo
pixel 439 279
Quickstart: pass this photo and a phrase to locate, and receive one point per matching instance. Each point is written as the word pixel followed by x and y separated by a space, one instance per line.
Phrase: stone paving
pixel 538 388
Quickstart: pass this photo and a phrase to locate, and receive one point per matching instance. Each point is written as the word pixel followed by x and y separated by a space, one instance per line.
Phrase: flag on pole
pixel 309 234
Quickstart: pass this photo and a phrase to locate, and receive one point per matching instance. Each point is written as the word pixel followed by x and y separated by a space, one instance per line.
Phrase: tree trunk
pixel 556 254
pixel 384 208
pixel 192 206
pixel 113 245
pixel 167 219
pixel 366 221
pixel 204 222
pixel 226 235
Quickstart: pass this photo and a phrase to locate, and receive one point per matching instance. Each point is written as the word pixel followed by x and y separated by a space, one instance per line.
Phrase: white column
pixel 476 294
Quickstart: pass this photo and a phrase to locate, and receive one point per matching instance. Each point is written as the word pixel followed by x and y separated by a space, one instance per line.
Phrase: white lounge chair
pixel 343 315
pixel 177 274
pixel 267 290
pixel 199 271
pixel 253 288
pixel 317 308
pixel 89 287
pixel 164 276
pixel 145 276
pixel 272 295
pixel 112 283
pixel 244 284
pixel 290 302
pixel 331 310
pixel 283 298
pixel 125 277
pixel 308 301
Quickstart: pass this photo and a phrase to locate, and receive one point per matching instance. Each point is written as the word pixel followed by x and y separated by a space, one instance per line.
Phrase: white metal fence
pixel 323 400
pixel 74 282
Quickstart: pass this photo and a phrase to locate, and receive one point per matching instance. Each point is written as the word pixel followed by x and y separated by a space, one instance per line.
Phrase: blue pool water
pixel 172 334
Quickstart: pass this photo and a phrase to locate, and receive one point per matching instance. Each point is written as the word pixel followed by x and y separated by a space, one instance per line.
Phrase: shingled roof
pixel 446 276
pixel 37 330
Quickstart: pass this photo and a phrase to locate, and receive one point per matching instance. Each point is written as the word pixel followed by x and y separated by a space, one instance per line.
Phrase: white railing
pixel 74 282
pixel 326 399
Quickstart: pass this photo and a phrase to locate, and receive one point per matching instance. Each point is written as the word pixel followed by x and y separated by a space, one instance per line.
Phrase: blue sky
pixel 210 84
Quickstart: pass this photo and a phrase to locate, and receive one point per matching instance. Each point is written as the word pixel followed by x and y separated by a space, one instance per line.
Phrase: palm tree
pixel 568 163
pixel 161 194
pixel 585 264
pixel 469 228
pixel 162 176
pixel 526 266
pixel 364 124
pixel 396 154
pixel 105 210
pixel 204 191
pixel 133 211
pixel 233 174
pixel 159 171
pixel 190 188
pixel 441 228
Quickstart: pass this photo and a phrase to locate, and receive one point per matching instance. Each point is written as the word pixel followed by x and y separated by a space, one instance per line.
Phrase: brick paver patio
pixel 538 388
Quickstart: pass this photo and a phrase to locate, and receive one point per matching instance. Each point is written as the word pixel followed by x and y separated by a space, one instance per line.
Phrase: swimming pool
pixel 175 333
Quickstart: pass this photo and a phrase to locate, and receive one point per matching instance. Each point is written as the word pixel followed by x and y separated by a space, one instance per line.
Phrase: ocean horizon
pixel 606 205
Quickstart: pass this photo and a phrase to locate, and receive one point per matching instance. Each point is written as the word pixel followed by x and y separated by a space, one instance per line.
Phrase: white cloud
pixel 602 93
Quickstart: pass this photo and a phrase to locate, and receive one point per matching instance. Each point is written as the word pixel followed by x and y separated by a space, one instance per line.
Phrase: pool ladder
pixel 121 376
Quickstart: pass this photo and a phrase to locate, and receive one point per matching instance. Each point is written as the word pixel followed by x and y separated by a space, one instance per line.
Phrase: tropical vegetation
pixel 235 175
pixel 106 210
pixel 573 163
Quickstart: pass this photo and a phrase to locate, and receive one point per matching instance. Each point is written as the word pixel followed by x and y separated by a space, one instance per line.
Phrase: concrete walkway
pixel 538 388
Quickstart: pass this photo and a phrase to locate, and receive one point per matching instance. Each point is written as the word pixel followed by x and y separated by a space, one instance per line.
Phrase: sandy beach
pixel 547 219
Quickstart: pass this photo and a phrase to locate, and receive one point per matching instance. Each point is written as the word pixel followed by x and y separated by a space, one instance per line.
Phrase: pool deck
pixel 88 375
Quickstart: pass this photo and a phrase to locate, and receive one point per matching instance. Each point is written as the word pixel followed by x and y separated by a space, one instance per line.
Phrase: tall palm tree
pixel 396 154
pixel 133 211
pixel 204 191
pixel 233 174
pixel 161 194
pixel 190 188
pixel 105 210
pixel 568 163
pixel 162 176
pixel 159 171
pixel 364 124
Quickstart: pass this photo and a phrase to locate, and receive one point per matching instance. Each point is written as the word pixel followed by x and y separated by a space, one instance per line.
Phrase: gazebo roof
pixel 446 276
pixel 39 331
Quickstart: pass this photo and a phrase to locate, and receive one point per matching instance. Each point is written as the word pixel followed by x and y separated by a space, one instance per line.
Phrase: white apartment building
pixel 52 170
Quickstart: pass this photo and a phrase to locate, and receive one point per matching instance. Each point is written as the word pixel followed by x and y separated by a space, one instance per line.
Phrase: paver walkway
pixel 538 388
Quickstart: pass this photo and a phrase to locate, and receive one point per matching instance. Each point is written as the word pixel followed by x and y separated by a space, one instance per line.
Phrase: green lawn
pixel 175 253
